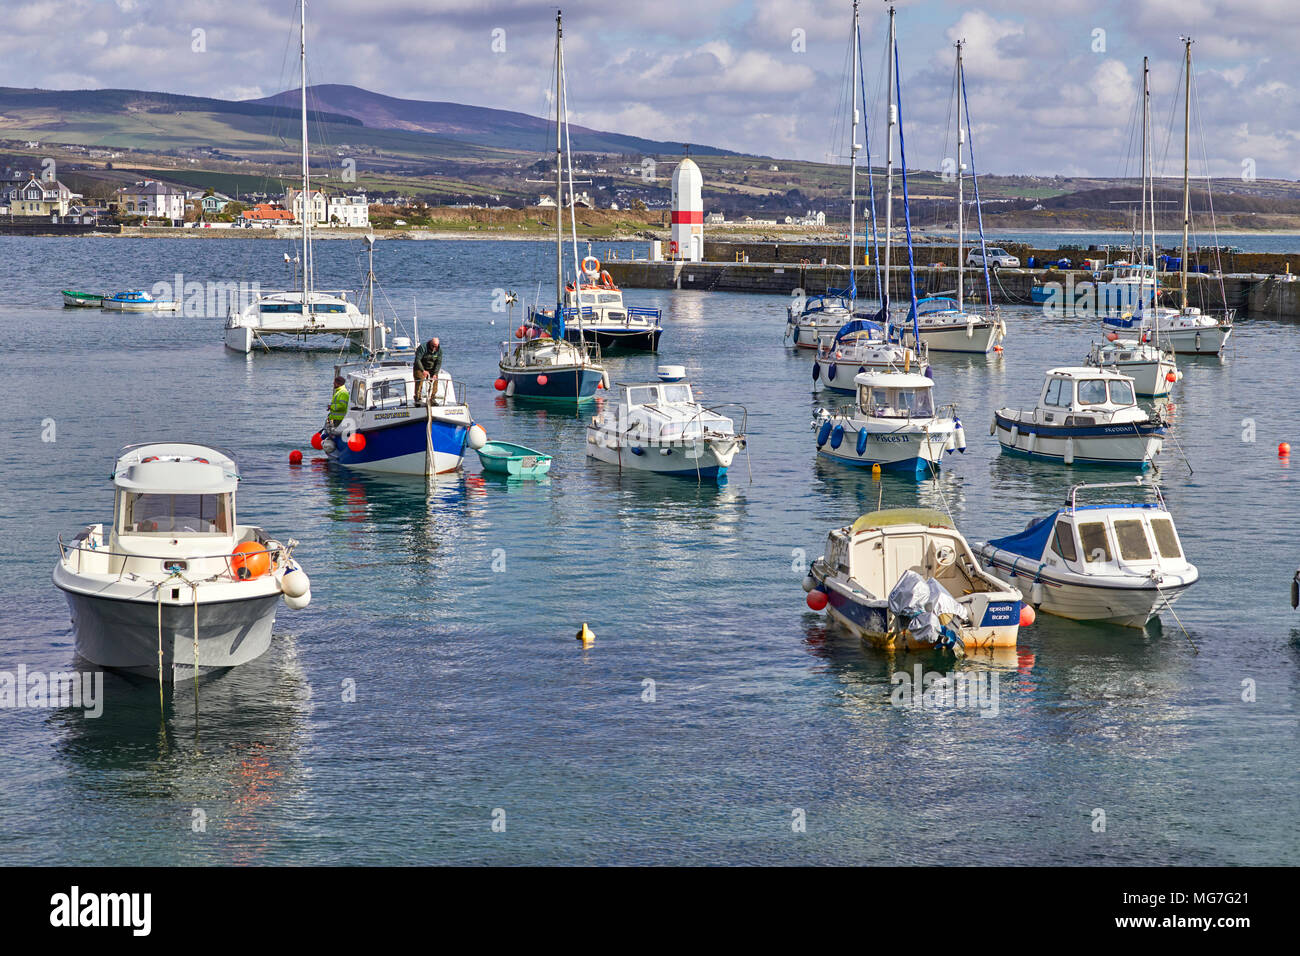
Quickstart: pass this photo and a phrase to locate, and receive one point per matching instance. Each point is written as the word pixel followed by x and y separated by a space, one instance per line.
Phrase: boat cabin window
pixel 146 513
pixel 677 393
pixel 1133 544
pixel 1060 392
pixel 1166 539
pixel 643 395
pixel 1121 393
pixel 388 393
pixel 1092 391
pixel 278 308
pixel 896 402
pixel 1063 541
pixel 328 307
pixel 1095 541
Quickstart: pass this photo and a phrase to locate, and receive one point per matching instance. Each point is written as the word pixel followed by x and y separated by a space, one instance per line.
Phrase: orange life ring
pixel 607 280
pixel 592 270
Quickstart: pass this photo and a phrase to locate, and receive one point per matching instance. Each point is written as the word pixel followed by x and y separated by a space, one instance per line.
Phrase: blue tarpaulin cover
pixel 1032 541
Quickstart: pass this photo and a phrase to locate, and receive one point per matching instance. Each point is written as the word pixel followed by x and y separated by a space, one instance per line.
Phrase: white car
pixel 997 258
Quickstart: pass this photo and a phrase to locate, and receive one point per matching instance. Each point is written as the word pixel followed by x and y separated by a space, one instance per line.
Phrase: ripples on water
pixel 471 693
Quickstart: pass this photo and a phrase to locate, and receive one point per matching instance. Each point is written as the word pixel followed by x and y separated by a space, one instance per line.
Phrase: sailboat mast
pixel 892 111
pixel 853 156
pixel 1147 188
pixel 961 223
pixel 307 273
pixel 559 181
pixel 1187 183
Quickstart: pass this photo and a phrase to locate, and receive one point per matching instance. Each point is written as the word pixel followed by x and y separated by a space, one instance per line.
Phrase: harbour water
pixel 715 719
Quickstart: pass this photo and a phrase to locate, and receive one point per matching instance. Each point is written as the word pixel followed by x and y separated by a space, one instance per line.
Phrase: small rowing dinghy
pixel 83 300
pixel 518 461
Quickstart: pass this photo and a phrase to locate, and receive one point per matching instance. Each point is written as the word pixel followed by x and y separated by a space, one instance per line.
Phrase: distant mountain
pixel 109 102
pixel 478 125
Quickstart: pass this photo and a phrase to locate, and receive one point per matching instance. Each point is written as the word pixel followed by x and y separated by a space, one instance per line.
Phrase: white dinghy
pixel 1119 563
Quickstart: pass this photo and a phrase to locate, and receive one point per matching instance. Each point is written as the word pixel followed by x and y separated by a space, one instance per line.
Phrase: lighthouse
pixel 687 242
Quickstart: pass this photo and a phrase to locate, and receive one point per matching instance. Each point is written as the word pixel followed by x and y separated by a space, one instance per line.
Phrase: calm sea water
pixel 453 612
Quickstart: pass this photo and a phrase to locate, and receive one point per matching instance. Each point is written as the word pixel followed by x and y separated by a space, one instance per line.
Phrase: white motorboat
pixel 1119 563
pixel 660 427
pixel 907 578
pixel 175 587
pixel 813 321
pixel 595 312
pixel 394 428
pixel 860 346
pixel 137 301
pixel 1084 416
pixel 893 423
pixel 305 315
pixel 1188 331
pixel 1152 368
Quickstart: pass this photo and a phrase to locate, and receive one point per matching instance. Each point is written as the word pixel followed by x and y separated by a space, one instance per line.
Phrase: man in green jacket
pixel 339 403
pixel 428 363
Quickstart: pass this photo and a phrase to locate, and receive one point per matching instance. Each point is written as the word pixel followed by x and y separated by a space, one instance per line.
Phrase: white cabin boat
pixel 1153 370
pixel 175 586
pixel 595 312
pixel 1188 331
pixel 1084 416
pixel 893 423
pixel 907 578
pixel 137 301
pixel 815 321
pixel 392 429
pixel 1118 563
pixel 660 427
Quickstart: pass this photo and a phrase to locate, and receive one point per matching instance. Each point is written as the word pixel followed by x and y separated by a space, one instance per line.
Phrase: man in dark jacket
pixel 428 363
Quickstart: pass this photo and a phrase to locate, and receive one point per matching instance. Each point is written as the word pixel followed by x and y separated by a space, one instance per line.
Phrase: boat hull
pixel 978 338
pixel 1112 603
pixel 699 460
pixel 1150 378
pixel 869 620
pixel 617 337
pixel 82 300
pixel 911 452
pixel 123 634
pixel 401 449
pixel 562 384
pixel 1121 445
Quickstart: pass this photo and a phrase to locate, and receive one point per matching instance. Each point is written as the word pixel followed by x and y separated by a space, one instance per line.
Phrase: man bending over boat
pixel 428 363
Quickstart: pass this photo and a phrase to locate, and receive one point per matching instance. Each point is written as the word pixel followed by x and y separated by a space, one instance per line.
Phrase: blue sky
pixel 1044 100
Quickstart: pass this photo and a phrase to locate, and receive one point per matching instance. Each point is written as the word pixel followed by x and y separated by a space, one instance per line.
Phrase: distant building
pixel 546 202
pixel 715 218
pixel 319 205
pixel 687 242
pixel 266 214
pixel 153 200
pixel 215 203
pixel 29 196
pixel 351 211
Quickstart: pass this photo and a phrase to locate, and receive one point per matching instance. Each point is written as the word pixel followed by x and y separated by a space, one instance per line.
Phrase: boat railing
pixel 177 565
pixel 1141 481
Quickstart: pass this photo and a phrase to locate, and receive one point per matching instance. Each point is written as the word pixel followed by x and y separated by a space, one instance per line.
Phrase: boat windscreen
pixel 175 514
pixel 1166 540
pixel 1095 541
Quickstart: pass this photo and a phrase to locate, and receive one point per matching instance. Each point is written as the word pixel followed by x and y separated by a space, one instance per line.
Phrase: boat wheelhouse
pixel 595 312
pixel 174 587
pixel 1116 563
pixel 893 423
pixel 1085 416
pixel 660 427
pixel 393 428
pixel 905 578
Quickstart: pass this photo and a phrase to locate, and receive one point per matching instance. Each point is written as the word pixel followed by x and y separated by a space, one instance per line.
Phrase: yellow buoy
pixel 586 635
pixel 875 471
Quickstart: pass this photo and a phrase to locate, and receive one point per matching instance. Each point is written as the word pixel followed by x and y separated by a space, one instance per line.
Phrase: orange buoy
pixel 357 442
pixel 817 599
pixel 250 560
pixel 1283 450
pixel 316 441
pixel 295 457
pixel 1027 615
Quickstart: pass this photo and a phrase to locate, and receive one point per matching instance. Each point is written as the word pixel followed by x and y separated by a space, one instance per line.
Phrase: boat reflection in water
pixel 223 760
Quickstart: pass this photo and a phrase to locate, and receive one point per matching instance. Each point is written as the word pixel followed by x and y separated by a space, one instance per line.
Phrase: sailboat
pixel 814 321
pixel 944 323
pixel 1151 367
pixel 1186 329
pixel 545 364
pixel 306 312
pixel 894 422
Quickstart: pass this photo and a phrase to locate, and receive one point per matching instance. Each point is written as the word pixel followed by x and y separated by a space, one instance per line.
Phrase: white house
pixel 154 200
pixel 319 205
pixel 351 211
